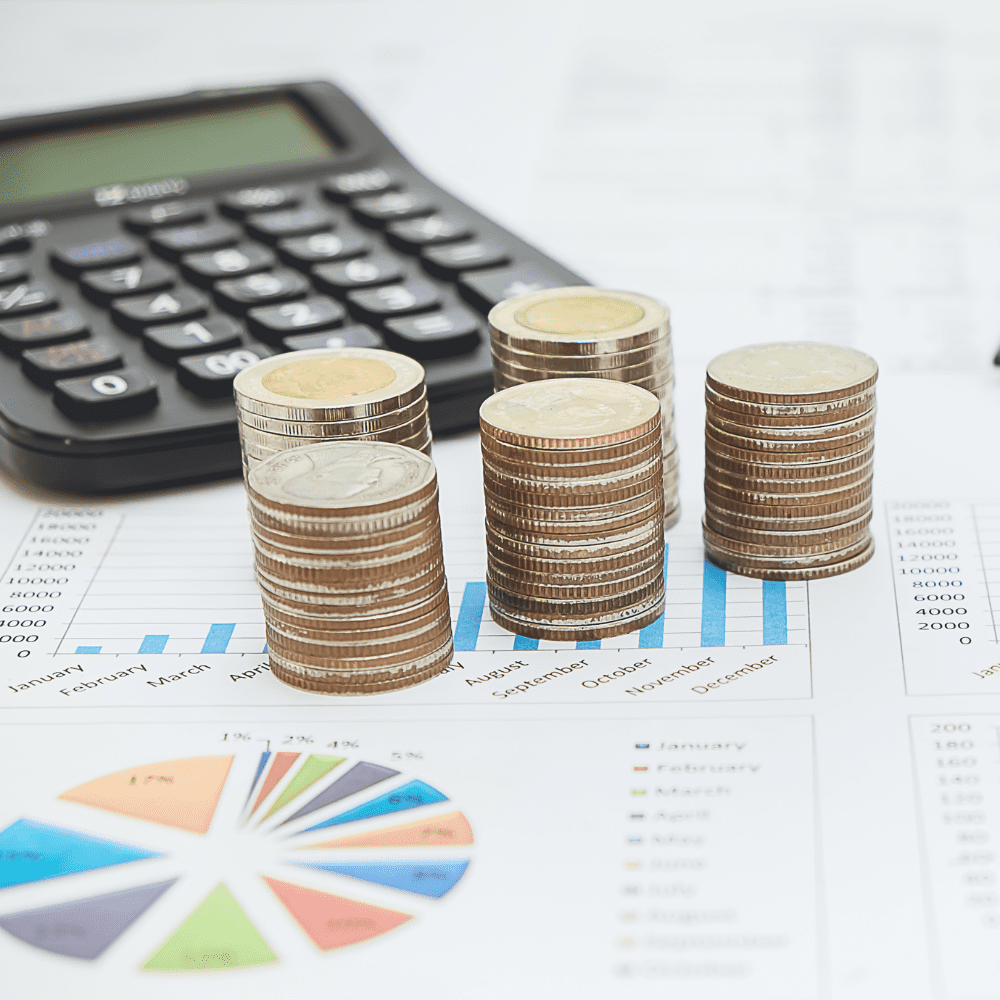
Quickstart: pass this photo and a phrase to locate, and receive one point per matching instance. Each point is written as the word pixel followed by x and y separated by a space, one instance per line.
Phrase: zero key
pixel 124 393
pixel 41 331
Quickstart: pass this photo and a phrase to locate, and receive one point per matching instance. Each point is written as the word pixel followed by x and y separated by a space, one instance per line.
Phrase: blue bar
pixel 713 606
pixel 589 644
pixel 775 613
pixel 153 643
pixel 470 617
pixel 523 642
pixel 218 638
pixel 651 637
pixel 81 650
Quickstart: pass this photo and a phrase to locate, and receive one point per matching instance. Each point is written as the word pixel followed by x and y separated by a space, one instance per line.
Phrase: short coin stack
pixel 573 474
pixel 347 541
pixel 351 393
pixel 583 332
pixel 789 439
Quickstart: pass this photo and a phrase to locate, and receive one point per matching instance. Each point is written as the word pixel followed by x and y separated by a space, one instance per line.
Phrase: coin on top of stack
pixel 343 393
pixel 347 550
pixel 789 442
pixel 573 477
pixel 584 332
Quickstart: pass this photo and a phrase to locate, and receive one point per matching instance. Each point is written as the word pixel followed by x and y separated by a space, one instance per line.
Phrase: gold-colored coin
pixel 722 463
pixel 346 683
pixel 795 372
pixel 774 414
pixel 781 432
pixel 569 413
pixel 743 568
pixel 344 383
pixel 790 537
pixel 833 540
pixel 723 514
pixel 726 448
pixel 578 320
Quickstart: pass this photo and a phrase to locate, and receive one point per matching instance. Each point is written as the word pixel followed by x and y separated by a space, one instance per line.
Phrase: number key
pixel 304 251
pixel 411 235
pixel 73 261
pixel 240 294
pixel 347 336
pixel 344 187
pixel 414 296
pixel 393 205
pixel 104 286
pixel 41 331
pixel 212 374
pixel 174 243
pixel 124 393
pixel 449 262
pixel 46 365
pixel 246 201
pixel 12 269
pixel 167 307
pixel 166 213
pixel 168 343
pixel 379 269
pixel 272 323
pixel 24 299
pixel 274 226
pixel 206 268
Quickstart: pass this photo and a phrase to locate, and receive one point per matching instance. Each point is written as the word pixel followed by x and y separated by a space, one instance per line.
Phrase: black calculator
pixel 149 251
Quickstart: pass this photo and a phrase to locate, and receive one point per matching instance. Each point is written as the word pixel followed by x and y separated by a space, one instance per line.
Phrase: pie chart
pixel 332 832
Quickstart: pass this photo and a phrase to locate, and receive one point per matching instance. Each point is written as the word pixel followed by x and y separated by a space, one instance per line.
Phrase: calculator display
pixel 57 163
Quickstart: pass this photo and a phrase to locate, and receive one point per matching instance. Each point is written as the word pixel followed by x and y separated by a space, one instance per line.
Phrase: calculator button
pixel 167 213
pixel 46 365
pixel 485 289
pixel 40 331
pixel 73 261
pixel 272 323
pixel 379 269
pixel 240 294
pixel 24 299
pixel 415 296
pixel 436 335
pixel 124 393
pixel 449 262
pixel 103 286
pixel 174 243
pixel 348 336
pixel 246 201
pixel 275 226
pixel 304 251
pixel 213 374
pixel 344 187
pixel 12 269
pixel 394 205
pixel 411 235
pixel 168 343
pixel 166 307
pixel 206 268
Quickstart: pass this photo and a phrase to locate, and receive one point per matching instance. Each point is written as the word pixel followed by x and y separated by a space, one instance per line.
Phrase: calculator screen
pixel 61 162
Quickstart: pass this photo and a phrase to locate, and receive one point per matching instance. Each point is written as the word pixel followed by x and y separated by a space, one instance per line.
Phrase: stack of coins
pixel 351 393
pixel 789 439
pixel 347 540
pixel 573 475
pixel 583 332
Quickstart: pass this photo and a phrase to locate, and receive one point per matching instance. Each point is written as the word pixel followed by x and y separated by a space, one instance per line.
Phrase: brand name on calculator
pixel 122 194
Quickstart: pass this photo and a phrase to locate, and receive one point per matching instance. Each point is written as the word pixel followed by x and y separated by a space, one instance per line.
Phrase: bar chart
pixel 163 584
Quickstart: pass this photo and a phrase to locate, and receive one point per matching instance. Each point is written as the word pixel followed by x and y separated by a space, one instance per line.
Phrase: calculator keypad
pixel 211 286
pixel 103 287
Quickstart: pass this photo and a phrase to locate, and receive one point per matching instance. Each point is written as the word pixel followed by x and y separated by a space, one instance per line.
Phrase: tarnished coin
pixel 791 544
pixel 601 495
pixel 804 448
pixel 781 432
pixel 796 372
pixel 619 455
pixel 792 573
pixel 343 478
pixel 741 469
pixel 580 628
pixel 825 411
pixel 345 383
pixel 551 607
pixel 573 413
pixel 728 448
pixel 848 496
pixel 623 579
pixel 797 535
pixel 735 521
pixel 778 479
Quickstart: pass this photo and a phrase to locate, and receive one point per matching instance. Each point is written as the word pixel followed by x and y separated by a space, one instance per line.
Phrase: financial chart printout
pixel 290 852
pixel 105 606
pixel 946 572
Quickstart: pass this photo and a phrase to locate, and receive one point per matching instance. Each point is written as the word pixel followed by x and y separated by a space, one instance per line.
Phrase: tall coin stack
pixel 573 475
pixel 789 439
pixel 340 393
pixel 347 542
pixel 584 332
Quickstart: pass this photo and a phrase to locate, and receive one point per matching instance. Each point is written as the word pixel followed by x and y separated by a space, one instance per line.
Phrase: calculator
pixel 149 251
